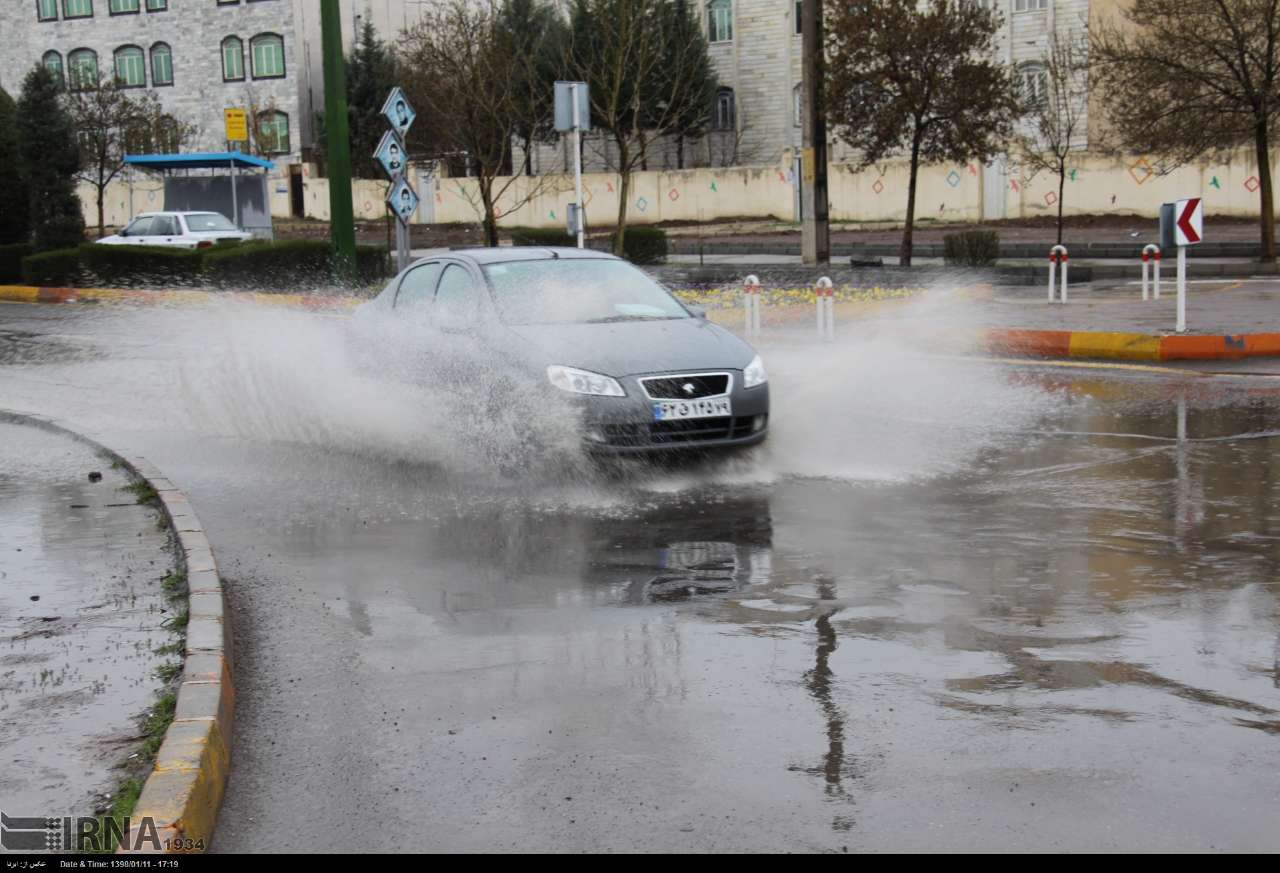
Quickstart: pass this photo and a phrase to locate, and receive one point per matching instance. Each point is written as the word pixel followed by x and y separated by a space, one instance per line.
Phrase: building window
pixel 232 59
pixel 797 104
pixel 720 20
pixel 47 10
pixel 266 52
pixel 726 112
pixel 273 132
pixel 161 64
pixel 53 63
pixel 799 17
pixel 82 69
pixel 137 138
pixel 77 8
pixel 157 5
pixel 123 7
pixel 1030 5
pixel 228 2
pixel 1033 84
pixel 131 69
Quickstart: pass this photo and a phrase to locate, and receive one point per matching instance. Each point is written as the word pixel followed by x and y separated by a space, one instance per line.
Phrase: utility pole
pixel 815 231
pixel 342 232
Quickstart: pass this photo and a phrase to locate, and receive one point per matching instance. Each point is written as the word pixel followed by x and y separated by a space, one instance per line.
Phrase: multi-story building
pixel 198 56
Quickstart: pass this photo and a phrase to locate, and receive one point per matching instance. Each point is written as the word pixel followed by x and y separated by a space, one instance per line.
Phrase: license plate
pixel 672 410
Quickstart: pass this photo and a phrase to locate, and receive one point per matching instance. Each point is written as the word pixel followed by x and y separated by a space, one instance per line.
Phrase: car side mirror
pixel 697 311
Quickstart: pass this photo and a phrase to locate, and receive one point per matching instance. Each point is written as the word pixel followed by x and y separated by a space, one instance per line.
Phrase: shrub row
pixel 640 245
pixel 971 248
pixel 270 266
pixel 11 261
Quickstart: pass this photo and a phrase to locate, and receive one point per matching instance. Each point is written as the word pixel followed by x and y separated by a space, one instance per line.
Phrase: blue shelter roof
pixel 200 161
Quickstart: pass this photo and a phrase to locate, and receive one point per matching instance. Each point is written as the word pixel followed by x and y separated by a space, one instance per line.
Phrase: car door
pixel 401 339
pixel 460 358
pixel 137 230
pixel 165 231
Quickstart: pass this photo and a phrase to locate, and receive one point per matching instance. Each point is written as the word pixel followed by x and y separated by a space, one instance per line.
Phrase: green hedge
pixel 110 266
pixel 971 248
pixel 283 266
pixel 11 261
pixel 59 268
pixel 273 266
pixel 643 245
pixel 543 236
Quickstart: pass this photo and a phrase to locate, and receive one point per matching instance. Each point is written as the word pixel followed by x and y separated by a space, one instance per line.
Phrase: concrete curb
pixel 1130 346
pixel 185 789
pixel 33 294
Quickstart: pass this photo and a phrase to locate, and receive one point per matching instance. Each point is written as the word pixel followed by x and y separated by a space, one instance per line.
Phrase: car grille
pixel 673 387
pixel 667 433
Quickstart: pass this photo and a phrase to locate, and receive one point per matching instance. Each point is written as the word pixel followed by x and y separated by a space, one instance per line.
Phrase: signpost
pixel 1182 225
pixel 573 113
pixel 392 156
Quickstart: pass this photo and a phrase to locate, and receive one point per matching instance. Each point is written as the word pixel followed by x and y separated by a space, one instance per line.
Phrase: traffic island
pixel 178 804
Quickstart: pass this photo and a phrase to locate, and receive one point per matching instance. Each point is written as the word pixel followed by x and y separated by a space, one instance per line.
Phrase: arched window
pixel 797 104
pixel 720 20
pixel 232 59
pixel 1033 84
pixel 131 68
pixel 161 64
pixel 77 8
pixel 725 116
pixel 53 63
pixel 46 10
pixel 82 69
pixel 137 138
pixel 273 132
pixel 266 53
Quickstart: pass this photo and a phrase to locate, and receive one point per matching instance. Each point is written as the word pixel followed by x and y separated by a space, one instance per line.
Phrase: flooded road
pixel 975 608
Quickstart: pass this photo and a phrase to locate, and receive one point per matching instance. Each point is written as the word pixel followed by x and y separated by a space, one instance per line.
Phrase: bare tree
pixel 1054 105
pixel 1194 78
pixel 460 67
pixel 915 78
pixel 109 123
pixel 644 83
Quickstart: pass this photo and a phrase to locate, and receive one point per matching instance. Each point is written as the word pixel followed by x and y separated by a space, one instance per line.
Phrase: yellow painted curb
pixel 1122 346
pixel 19 293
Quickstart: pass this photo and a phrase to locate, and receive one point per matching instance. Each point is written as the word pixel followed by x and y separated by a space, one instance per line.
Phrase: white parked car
pixel 184 230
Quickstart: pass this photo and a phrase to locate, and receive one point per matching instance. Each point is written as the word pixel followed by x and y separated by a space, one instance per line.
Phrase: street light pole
pixel 815 232
pixel 342 232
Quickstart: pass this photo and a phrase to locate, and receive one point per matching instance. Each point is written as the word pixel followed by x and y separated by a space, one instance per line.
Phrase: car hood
pixel 632 347
pixel 114 239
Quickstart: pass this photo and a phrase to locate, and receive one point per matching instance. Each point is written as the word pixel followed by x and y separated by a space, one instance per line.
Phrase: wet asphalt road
pixel 975 608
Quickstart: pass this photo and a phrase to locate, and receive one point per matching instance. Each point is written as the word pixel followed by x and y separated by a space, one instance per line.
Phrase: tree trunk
pixel 904 254
pixel 679 151
pixel 624 191
pixel 1267 212
pixel 1062 184
pixel 528 156
pixel 102 190
pixel 490 220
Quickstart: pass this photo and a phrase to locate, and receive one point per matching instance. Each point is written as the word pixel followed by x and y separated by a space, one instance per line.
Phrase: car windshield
pixel 208 221
pixel 577 291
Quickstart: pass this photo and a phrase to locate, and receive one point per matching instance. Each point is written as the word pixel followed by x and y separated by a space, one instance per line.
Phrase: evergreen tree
pixel 49 160
pixel 371 74
pixel 696 90
pixel 15 219
pixel 534 33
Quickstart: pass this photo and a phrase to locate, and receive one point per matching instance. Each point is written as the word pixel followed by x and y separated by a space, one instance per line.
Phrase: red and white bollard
pixel 1058 255
pixel 751 305
pixel 825 294
pixel 1151 253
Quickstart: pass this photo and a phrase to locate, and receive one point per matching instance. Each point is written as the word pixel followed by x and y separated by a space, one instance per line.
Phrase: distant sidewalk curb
pixel 34 294
pixel 1130 346
pixel 184 791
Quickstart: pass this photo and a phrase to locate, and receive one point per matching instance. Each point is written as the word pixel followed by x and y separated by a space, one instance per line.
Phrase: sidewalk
pixel 80 570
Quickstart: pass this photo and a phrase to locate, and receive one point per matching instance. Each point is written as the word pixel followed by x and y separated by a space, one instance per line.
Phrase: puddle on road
pixel 80 604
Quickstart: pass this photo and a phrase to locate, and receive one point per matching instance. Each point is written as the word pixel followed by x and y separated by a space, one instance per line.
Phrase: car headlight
pixel 753 375
pixel 583 382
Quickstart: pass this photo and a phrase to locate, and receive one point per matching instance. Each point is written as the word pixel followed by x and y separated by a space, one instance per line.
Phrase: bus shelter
pixel 231 183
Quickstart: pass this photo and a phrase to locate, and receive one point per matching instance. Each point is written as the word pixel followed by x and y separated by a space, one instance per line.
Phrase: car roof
pixel 178 212
pixel 504 254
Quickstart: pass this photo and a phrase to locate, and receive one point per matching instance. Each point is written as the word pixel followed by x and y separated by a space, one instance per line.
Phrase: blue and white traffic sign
pixel 403 200
pixel 398 112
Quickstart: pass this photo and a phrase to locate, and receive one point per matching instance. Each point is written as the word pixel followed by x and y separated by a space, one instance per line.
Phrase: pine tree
pixel 49 160
pixel 535 35
pixel 371 74
pixel 15 219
